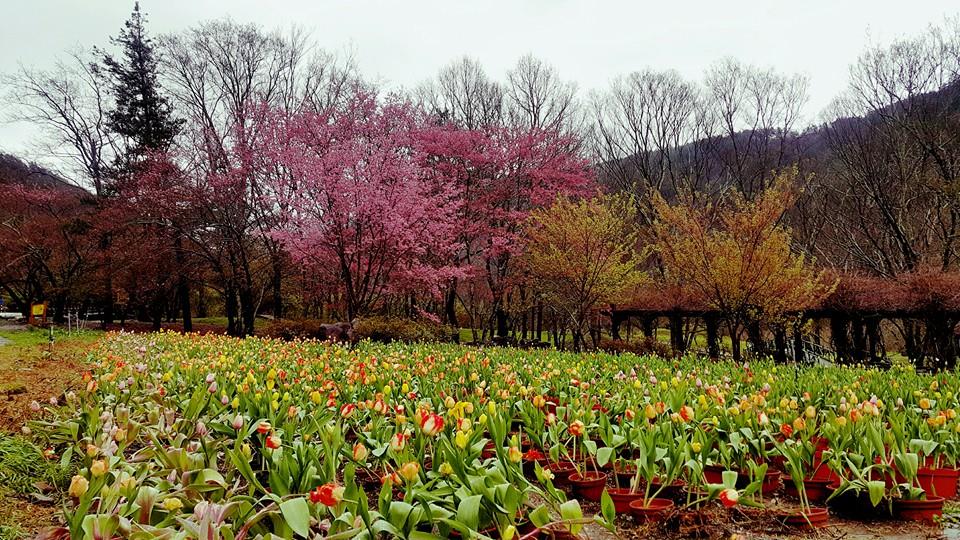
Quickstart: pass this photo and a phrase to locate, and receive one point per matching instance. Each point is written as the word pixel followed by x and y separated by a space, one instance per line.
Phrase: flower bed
pixel 214 436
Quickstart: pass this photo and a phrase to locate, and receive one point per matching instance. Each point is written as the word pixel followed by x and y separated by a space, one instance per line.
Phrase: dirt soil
pixel 36 372
pixel 32 369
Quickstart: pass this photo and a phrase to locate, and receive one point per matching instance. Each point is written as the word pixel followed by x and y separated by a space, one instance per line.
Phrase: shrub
pixel 289 329
pixel 388 329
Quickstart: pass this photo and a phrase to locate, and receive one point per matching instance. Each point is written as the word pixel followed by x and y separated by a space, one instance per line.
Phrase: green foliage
pixel 22 465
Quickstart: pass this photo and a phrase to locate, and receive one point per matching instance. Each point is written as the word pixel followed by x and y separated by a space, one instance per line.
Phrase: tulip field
pixel 187 436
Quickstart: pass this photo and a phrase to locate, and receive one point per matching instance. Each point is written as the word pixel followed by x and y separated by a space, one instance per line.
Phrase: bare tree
pixel 464 94
pixel 537 98
pixel 758 112
pixel 653 134
pixel 70 104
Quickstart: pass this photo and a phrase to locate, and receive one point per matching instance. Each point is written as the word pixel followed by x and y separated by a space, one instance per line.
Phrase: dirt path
pixel 31 369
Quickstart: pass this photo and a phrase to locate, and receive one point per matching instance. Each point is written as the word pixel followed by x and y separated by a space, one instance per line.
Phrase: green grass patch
pixel 38 336
pixel 22 465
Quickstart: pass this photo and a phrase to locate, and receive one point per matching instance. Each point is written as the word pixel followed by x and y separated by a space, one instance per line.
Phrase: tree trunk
pixel 247 310
pixel 276 284
pixel 202 300
pixel 677 342
pixel 107 316
pixel 539 320
pixel 755 334
pixel 911 341
pixel 450 305
pixel 183 286
pixel 503 322
pixel 841 340
pixel 942 340
pixel 874 340
pixel 615 321
pixel 734 329
pixel 59 308
pixel 230 305
pixel 799 355
pixel 648 327
pixel 859 340
pixel 780 344
pixel 713 336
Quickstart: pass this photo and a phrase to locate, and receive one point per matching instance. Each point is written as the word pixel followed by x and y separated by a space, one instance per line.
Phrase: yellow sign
pixel 38 314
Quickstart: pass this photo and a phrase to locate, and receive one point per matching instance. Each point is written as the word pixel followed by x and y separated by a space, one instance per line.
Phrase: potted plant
pixel 586 483
pixel 796 456
pixel 913 503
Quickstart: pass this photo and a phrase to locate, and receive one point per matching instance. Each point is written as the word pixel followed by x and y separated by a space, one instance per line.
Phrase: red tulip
pixel 729 497
pixel 273 442
pixel 328 494
pixel 431 424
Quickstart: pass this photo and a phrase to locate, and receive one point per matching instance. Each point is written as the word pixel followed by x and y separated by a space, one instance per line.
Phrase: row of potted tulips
pixel 248 437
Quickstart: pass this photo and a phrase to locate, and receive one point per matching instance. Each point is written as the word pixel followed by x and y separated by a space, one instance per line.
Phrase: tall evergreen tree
pixel 141 115
pixel 143 119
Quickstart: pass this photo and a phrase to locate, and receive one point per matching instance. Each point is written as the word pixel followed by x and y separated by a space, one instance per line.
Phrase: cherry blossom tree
pixel 360 202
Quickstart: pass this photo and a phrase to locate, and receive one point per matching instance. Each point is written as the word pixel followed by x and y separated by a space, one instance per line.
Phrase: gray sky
pixel 403 42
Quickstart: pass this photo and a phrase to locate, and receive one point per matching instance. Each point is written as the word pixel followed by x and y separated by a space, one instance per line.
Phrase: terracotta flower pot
pixel 622 497
pixel 530 466
pixel 713 474
pixel 625 476
pixel 556 531
pixel 918 510
pixel 770 483
pixel 530 459
pixel 817 490
pixel 812 519
pixel 857 505
pixel 941 482
pixel 588 485
pixel 674 490
pixel 653 511
pixel 822 472
pixel 561 472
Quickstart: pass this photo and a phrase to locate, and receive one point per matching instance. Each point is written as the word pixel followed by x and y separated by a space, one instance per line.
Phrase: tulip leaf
pixel 571 511
pixel 603 455
pixel 296 512
pixel 468 511
pixel 540 516
pixel 876 489
pixel 729 479
pixel 399 513
pixel 607 508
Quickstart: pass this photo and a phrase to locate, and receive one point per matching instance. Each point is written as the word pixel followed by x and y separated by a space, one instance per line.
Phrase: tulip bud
pixel 78 486
pixel 98 468
pixel 409 471
pixel 360 452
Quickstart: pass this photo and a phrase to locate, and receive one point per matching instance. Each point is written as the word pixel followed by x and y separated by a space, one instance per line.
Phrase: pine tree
pixel 142 116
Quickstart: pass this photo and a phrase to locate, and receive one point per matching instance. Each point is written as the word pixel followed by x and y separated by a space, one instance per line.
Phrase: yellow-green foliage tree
pixel 737 255
pixel 582 254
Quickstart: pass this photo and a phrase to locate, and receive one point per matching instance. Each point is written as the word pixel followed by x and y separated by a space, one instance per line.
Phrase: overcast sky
pixel 403 42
